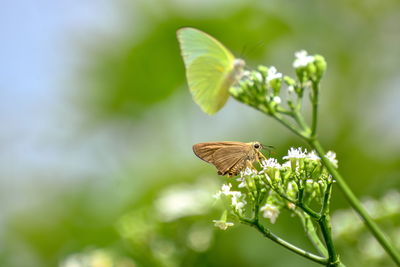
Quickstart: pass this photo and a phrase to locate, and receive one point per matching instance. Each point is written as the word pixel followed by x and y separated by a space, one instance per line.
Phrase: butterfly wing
pixel 230 160
pixel 208 83
pixel 206 150
pixel 209 68
pixel 228 157
pixel 195 43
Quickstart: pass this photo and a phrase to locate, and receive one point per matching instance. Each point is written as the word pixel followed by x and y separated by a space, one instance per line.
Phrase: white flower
pixel 313 155
pixel 182 200
pixel 273 74
pixel 277 99
pixel 296 153
pixel 332 158
pixel 270 211
pixel 302 59
pixel 287 164
pixel 242 181
pixel 221 224
pixel 225 190
pixel 290 89
pixel 271 163
pixel 248 172
pixel 237 202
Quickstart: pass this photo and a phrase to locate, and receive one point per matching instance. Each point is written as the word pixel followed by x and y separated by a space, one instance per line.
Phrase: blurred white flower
pixel 370 248
pixel 296 153
pixel 183 200
pixel 199 237
pixel 258 77
pixel 270 212
pixel 391 202
pixel 302 59
pixel 332 158
pixel 277 99
pixel 97 257
pixel 226 189
pixel 273 74
pixel 221 224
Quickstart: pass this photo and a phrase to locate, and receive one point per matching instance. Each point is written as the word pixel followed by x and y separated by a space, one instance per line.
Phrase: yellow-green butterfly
pixel 211 69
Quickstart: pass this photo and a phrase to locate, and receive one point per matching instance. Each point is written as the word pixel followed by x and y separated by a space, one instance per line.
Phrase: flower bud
pixel 320 64
pixel 289 81
pixel 263 70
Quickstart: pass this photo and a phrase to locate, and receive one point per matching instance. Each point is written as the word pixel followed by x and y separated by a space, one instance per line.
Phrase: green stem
pixel 304 207
pixel 356 205
pixel 314 101
pixel 327 198
pixel 299 119
pixel 325 225
pixel 288 125
pixel 268 234
pixel 311 232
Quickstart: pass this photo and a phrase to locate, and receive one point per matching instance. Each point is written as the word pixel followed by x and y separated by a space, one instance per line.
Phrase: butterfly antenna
pixel 243 52
pixel 270 150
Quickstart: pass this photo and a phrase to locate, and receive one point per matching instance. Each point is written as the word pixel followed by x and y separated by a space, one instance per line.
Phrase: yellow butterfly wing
pixel 210 69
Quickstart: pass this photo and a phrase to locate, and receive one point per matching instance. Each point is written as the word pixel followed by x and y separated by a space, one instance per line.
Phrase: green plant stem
pixel 288 125
pixel 311 232
pixel 314 101
pixel 327 198
pixel 304 207
pixel 325 226
pixel 267 233
pixel 356 205
pixel 299 119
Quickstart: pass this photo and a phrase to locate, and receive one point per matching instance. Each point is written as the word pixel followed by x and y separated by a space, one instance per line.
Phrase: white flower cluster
pixel 299 153
pixel 302 59
pixel 237 198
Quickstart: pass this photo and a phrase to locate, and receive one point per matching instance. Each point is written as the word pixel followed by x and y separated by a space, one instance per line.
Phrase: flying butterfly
pixel 211 69
pixel 230 158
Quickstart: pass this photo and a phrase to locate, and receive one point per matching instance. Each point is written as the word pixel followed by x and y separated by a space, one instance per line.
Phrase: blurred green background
pixel 98 124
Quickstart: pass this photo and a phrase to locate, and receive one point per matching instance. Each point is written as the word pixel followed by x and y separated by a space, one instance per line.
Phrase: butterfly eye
pixel 256 145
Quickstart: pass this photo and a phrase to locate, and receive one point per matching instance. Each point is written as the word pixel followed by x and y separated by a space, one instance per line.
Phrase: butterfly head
pixel 257 145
